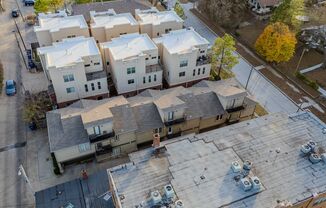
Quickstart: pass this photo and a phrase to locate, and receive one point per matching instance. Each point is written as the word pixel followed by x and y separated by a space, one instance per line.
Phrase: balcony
pixel 235 109
pixel 95 75
pixel 102 150
pixel 202 60
pixel 175 121
pixel 154 68
pixel 96 138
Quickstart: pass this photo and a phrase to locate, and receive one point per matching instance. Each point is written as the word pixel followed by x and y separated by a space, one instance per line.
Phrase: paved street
pixel 13 189
pixel 264 91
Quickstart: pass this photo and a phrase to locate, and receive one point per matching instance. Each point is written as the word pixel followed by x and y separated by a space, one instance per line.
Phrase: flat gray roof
pixel 272 143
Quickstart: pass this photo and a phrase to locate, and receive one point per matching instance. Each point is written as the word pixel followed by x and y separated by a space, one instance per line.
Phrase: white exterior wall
pixel 172 67
pixel 46 38
pixel 78 71
pixel 102 34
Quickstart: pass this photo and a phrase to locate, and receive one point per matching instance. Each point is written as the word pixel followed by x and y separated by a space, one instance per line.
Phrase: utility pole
pixel 21 172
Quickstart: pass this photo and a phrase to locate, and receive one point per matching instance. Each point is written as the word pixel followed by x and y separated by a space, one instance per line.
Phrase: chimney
pixel 156 140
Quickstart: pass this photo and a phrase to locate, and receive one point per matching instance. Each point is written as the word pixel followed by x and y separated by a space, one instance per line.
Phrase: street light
pixel 21 172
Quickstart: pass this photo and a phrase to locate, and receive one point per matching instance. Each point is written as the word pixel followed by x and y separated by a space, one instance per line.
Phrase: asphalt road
pixel 268 95
pixel 13 189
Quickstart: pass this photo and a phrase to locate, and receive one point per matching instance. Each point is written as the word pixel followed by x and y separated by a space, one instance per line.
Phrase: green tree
pixel 48 5
pixel 223 53
pixel 179 10
pixel 288 12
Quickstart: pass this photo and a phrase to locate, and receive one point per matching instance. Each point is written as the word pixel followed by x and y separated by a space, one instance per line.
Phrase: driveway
pixel 268 95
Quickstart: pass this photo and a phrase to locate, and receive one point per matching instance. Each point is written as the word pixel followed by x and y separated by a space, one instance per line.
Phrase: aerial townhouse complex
pixel 107 128
pixel 107 25
pixel 133 63
pixel 132 60
pixel 184 56
pixel 58 26
pixel 156 23
pixel 74 70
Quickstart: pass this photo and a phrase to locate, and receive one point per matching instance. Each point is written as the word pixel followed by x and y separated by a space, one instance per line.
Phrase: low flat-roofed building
pixel 257 163
pixel 74 70
pixel 133 63
pixel 56 27
pixel 184 56
pixel 107 25
pixel 156 23
pixel 116 126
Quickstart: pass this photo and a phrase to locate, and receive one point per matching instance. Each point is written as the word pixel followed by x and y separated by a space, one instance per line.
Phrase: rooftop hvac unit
pixel 255 182
pixel 245 183
pixel 323 157
pixel 169 192
pixel 305 148
pixel 312 145
pixel 247 165
pixel 314 158
pixel 236 167
pixel 156 197
pixel 178 204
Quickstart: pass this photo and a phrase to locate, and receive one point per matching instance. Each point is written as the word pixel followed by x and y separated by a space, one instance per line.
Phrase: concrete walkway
pixel 265 92
pixel 311 68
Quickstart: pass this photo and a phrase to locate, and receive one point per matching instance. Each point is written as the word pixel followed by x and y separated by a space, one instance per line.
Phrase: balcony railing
pixel 154 68
pixel 96 138
pixel 175 121
pixel 95 75
pixel 202 60
pixel 102 150
pixel 235 109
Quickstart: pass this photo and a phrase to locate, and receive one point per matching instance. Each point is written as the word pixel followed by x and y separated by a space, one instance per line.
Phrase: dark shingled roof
pixel 147 117
pixel 119 6
pixel 80 193
pixel 123 119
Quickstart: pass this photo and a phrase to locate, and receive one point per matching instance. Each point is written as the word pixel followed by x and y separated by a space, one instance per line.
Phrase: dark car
pixel 29 2
pixel 15 13
pixel 10 87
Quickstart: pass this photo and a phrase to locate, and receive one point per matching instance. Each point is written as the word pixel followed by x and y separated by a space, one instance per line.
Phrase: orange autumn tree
pixel 276 43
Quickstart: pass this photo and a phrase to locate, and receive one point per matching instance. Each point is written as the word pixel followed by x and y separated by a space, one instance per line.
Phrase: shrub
pixel 308 81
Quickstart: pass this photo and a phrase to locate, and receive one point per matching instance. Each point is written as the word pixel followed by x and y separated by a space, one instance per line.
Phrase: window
pixel 198 71
pixel 70 90
pixel 131 70
pixel 158 130
pixel 204 70
pixel 146 58
pixel 170 130
pixel 182 74
pixel 97 63
pixel 158 34
pixel 183 63
pixel 219 117
pixel 166 30
pixel 87 65
pixel 86 88
pixel 131 81
pixel 93 87
pixel 97 130
pixel 99 85
pixel 107 63
pixel 149 78
pixel 116 137
pixel 170 115
pixel 84 147
pixel 194 72
pixel 144 80
pixel 154 77
pixel 68 78
pixel 159 57
pixel 71 36
pixel 202 51
pixel 154 57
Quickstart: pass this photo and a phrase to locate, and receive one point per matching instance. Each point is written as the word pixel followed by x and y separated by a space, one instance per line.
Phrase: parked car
pixel 11 87
pixel 15 13
pixel 29 2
